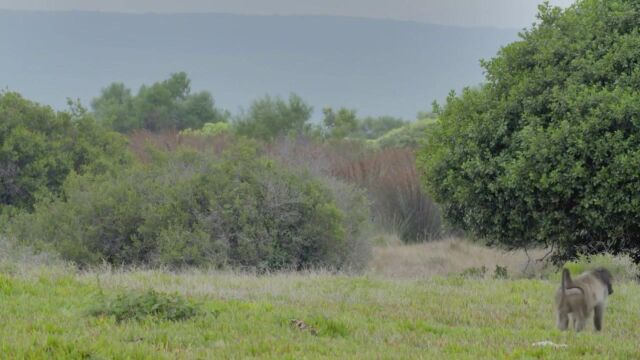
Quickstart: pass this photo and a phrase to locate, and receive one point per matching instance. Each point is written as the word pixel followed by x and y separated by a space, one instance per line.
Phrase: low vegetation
pixel 50 313
pixel 137 306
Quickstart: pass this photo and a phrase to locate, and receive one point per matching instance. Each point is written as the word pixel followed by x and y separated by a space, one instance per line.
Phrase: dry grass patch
pixel 450 256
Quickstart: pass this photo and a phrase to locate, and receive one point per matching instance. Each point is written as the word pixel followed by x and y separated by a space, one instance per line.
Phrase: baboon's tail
pixel 566 281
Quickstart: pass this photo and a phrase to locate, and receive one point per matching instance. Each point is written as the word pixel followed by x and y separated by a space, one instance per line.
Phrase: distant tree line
pixel 170 105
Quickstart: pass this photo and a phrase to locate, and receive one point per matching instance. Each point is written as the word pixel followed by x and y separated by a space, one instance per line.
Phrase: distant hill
pixel 375 66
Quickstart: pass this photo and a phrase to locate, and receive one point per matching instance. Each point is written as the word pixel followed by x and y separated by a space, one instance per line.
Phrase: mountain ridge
pixel 378 67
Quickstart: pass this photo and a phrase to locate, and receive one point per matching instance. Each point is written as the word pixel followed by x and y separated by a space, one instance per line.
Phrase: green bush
pixel 40 147
pixel 189 208
pixel 209 129
pixel 136 306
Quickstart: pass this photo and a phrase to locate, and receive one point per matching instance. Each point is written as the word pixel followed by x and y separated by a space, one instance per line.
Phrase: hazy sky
pixel 496 13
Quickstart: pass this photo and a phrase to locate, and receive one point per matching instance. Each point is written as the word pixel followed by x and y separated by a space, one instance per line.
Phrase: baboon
pixel 581 296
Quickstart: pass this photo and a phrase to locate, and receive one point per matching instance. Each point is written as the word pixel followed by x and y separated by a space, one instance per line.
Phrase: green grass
pixel 47 313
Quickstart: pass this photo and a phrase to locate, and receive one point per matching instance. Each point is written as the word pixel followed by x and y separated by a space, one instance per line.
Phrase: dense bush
pixel 547 152
pixel 190 208
pixel 168 104
pixel 40 147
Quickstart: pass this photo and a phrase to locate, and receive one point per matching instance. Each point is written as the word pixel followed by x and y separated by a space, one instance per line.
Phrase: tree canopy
pixel 547 151
pixel 269 118
pixel 168 104
pixel 344 123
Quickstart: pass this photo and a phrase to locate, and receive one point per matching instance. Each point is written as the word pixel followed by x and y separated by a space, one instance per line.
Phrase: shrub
pixel 136 306
pixel 190 208
pixel 41 147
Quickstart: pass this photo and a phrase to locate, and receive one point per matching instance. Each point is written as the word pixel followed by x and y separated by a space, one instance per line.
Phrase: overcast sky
pixel 496 13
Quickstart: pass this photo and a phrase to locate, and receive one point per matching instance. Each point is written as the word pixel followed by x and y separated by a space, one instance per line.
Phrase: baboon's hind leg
pixel 579 321
pixel 597 316
pixel 562 320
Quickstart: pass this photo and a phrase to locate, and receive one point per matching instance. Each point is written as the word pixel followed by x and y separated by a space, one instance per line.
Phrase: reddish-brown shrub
pixel 388 175
pixel 392 182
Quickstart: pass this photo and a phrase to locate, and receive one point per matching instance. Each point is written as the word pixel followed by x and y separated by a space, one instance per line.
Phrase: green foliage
pixel 188 208
pixel 115 108
pixel 345 124
pixel 408 136
pixel 547 151
pixel 375 127
pixel 210 129
pixel 269 118
pixel 341 124
pixel 164 105
pixel 137 306
pixel 39 148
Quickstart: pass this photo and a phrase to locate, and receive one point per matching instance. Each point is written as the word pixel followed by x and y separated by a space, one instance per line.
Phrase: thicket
pixel 547 152
pixel 182 208
pixel 39 148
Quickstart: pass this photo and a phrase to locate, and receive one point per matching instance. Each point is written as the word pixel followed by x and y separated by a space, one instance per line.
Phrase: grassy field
pixel 46 312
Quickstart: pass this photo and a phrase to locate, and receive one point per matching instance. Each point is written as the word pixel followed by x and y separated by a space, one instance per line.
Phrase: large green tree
pixel 40 147
pixel 548 150
pixel 168 104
